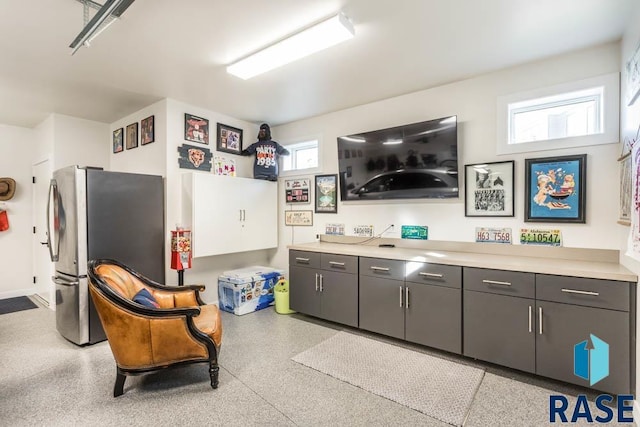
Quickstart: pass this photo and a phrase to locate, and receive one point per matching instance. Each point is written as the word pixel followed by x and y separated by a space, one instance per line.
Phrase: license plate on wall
pixel 493 235
pixel 533 236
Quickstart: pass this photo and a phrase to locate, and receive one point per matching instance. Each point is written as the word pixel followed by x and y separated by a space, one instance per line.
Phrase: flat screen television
pixel 418 160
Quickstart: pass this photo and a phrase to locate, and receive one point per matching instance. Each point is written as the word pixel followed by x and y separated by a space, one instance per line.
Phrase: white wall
pixel 474 103
pixel 205 270
pixel 629 119
pixel 16 261
pixel 79 142
pixel 63 140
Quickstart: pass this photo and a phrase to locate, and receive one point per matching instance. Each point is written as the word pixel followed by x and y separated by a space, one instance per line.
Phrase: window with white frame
pixel 569 115
pixel 303 158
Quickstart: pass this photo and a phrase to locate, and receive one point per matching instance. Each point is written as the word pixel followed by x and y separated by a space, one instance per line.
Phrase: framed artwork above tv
pixel 414 161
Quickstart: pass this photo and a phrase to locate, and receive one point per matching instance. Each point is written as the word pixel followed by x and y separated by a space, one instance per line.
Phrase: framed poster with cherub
pixel 555 189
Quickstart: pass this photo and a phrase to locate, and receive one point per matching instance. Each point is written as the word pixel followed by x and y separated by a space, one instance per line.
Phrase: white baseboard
pixel 17 293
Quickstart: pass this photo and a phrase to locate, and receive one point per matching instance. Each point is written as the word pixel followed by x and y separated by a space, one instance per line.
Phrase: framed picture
pixel 298 218
pixel 326 194
pixel 147 131
pixel 132 135
pixel 196 129
pixel 297 190
pixel 229 139
pixel 556 189
pixel 624 217
pixel 489 189
pixel 118 139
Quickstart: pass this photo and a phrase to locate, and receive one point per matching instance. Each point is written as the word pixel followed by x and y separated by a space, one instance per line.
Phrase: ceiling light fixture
pixel 106 14
pixel 314 39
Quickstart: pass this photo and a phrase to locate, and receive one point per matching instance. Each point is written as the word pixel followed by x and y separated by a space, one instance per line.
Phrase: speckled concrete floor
pixel 48 381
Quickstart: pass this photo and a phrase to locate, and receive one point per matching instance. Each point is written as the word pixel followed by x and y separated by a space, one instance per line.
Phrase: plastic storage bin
pixel 248 289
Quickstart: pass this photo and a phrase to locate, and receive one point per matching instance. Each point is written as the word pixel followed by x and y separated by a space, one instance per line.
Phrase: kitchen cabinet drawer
pixel 512 283
pixel 304 259
pixel 342 263
pixel 597 293
pixel 434 274
pixel 378 267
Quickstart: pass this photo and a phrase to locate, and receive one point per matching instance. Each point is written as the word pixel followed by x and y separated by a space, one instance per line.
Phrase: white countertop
pixel 545 265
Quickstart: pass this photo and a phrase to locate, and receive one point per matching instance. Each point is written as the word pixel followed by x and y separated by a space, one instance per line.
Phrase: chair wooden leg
pixel 118 388
pixel 213 374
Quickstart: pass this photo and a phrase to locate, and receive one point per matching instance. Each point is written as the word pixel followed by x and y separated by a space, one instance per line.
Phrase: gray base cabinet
pixel 497 330
pixel 564 326
pixel 324 285
pixel 526 321
pixel 381 306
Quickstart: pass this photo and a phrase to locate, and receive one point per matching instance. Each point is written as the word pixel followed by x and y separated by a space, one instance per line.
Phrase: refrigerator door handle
pixel 60 281
pixel 53 187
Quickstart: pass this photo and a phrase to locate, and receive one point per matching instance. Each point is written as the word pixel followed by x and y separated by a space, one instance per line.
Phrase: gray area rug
pixel 436 387
pixel 11 305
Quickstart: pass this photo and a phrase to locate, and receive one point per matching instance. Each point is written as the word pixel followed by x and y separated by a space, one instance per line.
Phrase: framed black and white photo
pixel 489 189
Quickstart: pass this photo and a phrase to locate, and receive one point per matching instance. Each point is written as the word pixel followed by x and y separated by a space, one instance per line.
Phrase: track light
pixel 111 10
pixel 316 38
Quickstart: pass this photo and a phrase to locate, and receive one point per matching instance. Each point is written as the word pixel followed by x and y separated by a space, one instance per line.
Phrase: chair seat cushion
pixel 208 321
pixel 145 298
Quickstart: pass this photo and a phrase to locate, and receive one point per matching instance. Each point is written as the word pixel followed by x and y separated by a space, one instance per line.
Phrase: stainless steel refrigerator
pixel 94 214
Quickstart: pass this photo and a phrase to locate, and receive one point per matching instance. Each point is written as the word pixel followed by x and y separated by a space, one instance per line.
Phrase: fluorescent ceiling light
pixel 392 142
pixel 316 38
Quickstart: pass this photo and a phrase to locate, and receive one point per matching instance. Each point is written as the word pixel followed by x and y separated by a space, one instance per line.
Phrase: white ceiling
pixel 179 49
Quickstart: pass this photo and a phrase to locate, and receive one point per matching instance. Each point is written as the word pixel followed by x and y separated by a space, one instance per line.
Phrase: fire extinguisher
pixel 180 252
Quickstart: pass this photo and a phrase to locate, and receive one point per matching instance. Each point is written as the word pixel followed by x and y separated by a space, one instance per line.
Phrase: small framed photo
pixel 229 139
pixel 326 194
pixel 147 131
pixel 118 139
pixel 489 189
pixel 297 218
pixel 555 189
pixel 196 129
pixel 132 135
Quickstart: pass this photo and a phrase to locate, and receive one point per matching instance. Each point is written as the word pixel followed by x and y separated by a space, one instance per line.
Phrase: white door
pixel 42 265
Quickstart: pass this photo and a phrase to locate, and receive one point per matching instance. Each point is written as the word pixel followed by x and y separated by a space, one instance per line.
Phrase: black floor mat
pixel 11 305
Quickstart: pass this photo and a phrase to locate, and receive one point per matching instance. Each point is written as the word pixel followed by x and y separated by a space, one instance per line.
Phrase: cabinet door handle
pixel 316 282
pixel 302 259
pixel 240 211
pixel 321 282
pixel 244 215
pixel 530 312
pixel 406 297
pixel 374 268
pixel 431 274
pixel 495 282
pixel 540 319
pixel 336 263
pixel 400 296
pixel 573 291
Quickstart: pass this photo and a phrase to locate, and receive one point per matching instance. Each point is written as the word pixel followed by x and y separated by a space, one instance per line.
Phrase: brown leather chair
pixel 143 339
